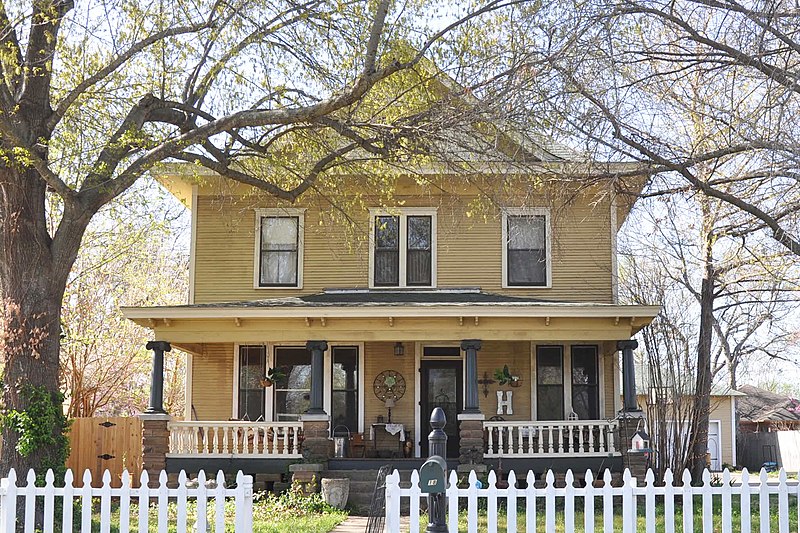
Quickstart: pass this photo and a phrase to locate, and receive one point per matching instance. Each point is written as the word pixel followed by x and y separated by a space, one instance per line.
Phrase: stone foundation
pixel 155 444
pixel 471 443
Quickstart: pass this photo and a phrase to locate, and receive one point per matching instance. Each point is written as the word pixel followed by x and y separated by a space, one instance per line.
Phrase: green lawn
pixel 290 512
pixel 579 516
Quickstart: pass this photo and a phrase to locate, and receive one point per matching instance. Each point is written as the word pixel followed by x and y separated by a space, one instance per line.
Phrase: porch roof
pixel 423 311
pixel 377 302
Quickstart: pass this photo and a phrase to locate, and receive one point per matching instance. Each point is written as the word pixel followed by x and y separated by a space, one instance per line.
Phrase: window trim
pixel 266 212
pixel 403 213
pixel 527 211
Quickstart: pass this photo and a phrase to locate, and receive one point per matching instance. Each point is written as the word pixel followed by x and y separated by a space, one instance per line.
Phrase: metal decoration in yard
pixel 377 508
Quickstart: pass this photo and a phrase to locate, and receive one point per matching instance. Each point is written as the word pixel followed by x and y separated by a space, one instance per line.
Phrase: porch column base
pixel 637 461
pixel 155 444
pixel 471 444
pixel 316 444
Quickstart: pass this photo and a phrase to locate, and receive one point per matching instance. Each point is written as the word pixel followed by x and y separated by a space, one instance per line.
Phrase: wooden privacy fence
pixel 116 505
pixel 99 444
pixel 606 508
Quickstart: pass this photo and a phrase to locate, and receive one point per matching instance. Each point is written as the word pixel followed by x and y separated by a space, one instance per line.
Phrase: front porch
pixel 375 374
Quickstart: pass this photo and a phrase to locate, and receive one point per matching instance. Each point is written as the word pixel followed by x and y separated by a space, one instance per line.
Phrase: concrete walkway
pixel 358 524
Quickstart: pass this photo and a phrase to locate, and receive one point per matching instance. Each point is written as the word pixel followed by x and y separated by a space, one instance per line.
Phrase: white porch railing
pixel 550 438
pixel 266 440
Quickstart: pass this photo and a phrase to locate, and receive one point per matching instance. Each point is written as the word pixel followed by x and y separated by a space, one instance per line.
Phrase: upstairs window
pixel 526 248
pixel 403 251
pixel 279 248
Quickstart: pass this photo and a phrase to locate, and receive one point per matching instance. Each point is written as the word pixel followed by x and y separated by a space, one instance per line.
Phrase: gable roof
pixel 761 405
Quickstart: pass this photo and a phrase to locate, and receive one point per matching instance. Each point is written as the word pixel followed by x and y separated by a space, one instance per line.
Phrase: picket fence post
pixel 414 494
pixel 727 521
pixel 708 524
pixel 669 502
pixel 569 501
pixel 49 497
pixel 124 502
pixel 763 501
pixel 511 503
pixel 688 510
pixel 628 505
pixel 144 502
pixel 30 501
pixel 608 503
pixel 550 502
pixel 452 503
pixel 393 501
pixel 530 504
pixel 472 503
pixel 105 504
pixel 744 501
pixel 202 503
pixel 783 503
pixel 649 502
pixel 491 504
pixel 219 503
pixel 588 502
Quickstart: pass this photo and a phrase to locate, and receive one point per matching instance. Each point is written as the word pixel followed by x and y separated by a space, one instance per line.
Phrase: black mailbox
pixel 432 475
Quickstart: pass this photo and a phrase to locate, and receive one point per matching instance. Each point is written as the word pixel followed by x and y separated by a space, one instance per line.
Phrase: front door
pixel 441 386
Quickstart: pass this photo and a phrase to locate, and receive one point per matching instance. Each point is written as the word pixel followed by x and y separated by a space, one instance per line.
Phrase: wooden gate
pixel 99 444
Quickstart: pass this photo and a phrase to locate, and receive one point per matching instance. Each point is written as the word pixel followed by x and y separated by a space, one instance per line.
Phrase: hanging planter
pixel 273 375
pixel 504 377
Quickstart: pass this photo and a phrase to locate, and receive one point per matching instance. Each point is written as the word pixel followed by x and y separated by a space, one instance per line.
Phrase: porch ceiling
pixel 392 316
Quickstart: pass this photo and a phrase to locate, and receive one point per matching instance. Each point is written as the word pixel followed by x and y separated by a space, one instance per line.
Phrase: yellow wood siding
pixel 721 410
pixel 469 249
pixel 379 356
pixel 517 355
pixel 212 382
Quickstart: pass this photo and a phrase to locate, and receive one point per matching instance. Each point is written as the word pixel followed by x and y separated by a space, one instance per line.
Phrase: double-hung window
pixel 403 248
pixel 526 248
pixel 279 248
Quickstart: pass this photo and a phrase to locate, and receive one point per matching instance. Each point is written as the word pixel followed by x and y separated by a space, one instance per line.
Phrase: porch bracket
pixel 317 349
pixel 628 375
pixel 471 347
pixel 156 405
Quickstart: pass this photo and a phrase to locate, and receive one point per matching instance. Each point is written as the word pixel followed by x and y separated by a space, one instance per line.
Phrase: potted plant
pixel 504 377
pixel 273 375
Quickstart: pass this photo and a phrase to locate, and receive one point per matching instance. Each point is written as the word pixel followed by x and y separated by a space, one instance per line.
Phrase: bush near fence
pixel 667 508
pixel 68 507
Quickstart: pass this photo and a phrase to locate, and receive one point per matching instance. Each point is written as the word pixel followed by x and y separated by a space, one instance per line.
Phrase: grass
pixel 579 516
pixel 289 512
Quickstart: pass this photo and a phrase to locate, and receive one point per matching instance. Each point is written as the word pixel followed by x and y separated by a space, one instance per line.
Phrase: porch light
pixel 399 349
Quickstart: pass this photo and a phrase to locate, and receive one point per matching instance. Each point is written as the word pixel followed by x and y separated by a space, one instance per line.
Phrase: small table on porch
pixel 391 430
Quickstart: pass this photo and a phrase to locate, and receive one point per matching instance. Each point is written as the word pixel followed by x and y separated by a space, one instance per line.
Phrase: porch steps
pixel 362 486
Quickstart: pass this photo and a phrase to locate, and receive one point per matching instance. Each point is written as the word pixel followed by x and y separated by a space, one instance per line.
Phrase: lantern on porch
pixel 640 441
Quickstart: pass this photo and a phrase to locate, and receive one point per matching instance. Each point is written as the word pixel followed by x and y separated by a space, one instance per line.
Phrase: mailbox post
pixel 435 469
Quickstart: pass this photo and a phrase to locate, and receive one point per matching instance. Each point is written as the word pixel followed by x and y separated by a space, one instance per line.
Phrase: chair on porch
pixel 358 447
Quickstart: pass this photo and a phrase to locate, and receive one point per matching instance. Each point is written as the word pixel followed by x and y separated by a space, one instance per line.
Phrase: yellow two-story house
pixel 313 333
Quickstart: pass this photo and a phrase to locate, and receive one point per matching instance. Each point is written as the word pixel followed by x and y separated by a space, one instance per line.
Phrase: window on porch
pixel 292 393
pixel 252 368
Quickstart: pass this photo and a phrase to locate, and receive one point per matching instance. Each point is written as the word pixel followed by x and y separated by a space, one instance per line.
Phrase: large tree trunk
pixel 702 400
pixel 33 275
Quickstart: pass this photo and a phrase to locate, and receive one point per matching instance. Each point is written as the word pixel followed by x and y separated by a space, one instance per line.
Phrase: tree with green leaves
pixel 283 96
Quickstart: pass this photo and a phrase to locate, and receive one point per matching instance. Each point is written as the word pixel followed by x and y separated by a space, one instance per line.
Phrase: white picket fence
pixel 46 498
pixel 599 504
